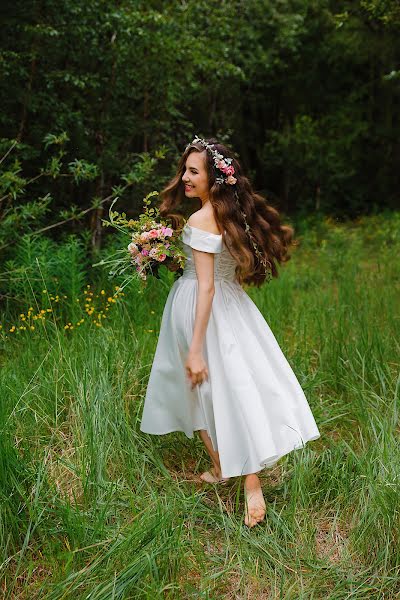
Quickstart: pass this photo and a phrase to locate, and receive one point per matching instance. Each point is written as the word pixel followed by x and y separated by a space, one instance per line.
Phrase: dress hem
pixel 264 464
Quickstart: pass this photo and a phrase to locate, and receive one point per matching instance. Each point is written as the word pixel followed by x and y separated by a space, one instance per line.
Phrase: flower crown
pixel 221 163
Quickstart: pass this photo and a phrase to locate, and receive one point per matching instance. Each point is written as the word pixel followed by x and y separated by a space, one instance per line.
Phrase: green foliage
pixel 50 139
pixel 16 218
pixel 11 184
pixel 81 170
pixel 25 250
pixel 304 91
pixel 38 262
pixel 23 218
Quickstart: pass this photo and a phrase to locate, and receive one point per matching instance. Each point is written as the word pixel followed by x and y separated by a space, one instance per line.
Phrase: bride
pixel 218 368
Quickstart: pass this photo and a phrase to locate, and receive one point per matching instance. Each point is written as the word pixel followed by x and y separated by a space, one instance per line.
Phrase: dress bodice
pixel 199 239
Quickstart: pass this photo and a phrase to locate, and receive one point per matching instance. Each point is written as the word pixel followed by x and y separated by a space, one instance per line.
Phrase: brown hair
pixel 271 237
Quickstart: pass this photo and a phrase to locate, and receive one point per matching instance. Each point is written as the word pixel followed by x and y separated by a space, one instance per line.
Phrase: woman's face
pixel 195 176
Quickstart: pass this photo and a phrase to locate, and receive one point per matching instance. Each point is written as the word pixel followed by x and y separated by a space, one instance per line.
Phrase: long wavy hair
pixel 271 236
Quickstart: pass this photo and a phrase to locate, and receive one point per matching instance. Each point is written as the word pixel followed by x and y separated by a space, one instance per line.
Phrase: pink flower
pixel 231 180
pixel 167 244
pixel 144 236
pixel 153 233
pixel 138 259
pixel 229 170
pixel 162 257
pixel 221 165
pixel 145 252
pixel 168 231
pixel 153 252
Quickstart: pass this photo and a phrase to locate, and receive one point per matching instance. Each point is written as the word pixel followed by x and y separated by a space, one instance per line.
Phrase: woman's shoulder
pixel 204 220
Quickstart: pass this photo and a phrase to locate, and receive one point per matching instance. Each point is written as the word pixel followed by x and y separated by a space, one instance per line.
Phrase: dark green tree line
pixel 307 95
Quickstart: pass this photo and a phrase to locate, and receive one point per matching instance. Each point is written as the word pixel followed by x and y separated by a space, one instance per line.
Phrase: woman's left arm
pixel 204 263
pixel 195 364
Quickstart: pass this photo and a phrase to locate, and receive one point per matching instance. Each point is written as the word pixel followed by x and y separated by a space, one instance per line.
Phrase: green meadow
pixel 91 508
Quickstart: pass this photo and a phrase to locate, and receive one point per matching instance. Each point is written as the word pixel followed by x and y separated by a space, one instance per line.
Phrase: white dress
pixel 252 405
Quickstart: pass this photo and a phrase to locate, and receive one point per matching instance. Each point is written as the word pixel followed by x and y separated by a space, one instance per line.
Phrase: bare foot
pixel 254 501
pixel 213 476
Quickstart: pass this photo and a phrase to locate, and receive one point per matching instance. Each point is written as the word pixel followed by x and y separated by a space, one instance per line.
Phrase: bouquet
pixel 152 242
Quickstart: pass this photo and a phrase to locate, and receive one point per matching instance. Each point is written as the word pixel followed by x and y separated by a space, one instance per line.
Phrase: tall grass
pixel 93 508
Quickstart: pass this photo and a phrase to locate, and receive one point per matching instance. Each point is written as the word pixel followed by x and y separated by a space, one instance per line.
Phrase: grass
pixel 93 508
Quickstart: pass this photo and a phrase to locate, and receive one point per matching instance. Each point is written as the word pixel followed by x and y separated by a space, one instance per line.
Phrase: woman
pixel 218 368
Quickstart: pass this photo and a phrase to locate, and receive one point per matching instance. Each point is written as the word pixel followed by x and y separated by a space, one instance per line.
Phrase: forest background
pixel 98 95
pixel 98 101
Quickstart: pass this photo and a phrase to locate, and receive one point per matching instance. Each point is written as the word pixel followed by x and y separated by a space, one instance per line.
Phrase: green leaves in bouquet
pixel 123 224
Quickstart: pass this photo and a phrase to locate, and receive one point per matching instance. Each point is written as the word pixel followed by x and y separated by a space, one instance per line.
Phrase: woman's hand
pixel 196 368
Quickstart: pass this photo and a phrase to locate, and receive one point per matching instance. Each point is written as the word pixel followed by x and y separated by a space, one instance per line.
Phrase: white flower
pixel 133 249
